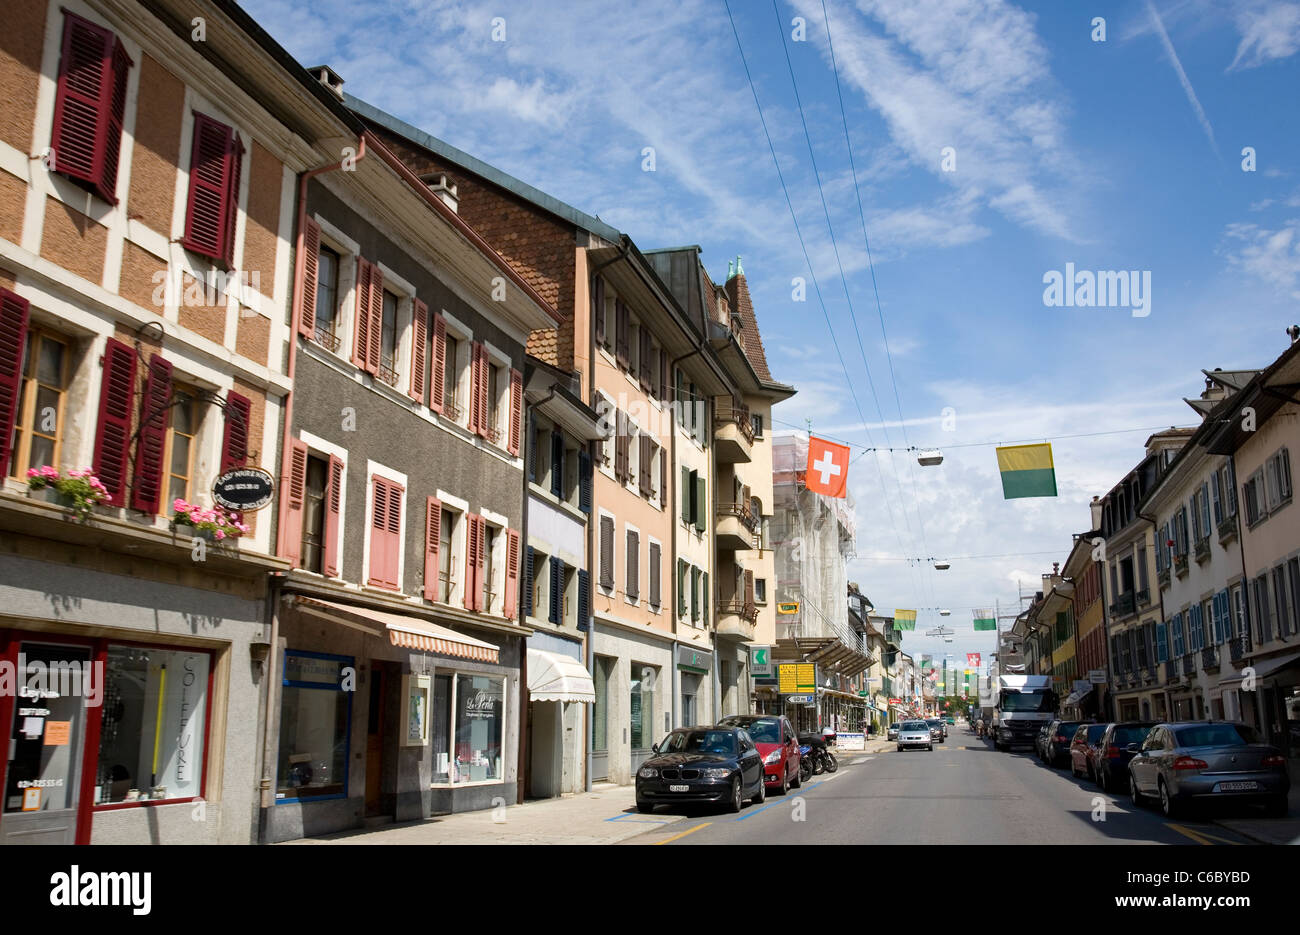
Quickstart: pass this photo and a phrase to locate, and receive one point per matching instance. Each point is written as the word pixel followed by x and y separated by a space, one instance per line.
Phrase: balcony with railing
pixel 1180 564
pixel 1162 577
pixel 1171 670
pixel 1123 606
pixel 1227 528
pixel 1201 548
pixel 737 618
pixel 1143 597
pixel 733 432
pixel 1210 658
pixel 737 527
pixel 1189 664
pixel 1238 648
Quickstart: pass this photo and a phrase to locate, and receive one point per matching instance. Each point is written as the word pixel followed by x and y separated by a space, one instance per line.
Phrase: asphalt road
pixel 964 792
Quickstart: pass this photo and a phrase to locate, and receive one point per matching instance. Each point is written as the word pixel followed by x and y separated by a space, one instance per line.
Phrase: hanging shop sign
pixel 243 489
pixel 690 659
pixel 786 608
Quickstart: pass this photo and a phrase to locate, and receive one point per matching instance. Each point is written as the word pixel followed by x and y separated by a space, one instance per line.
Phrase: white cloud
pixel 1272 256
pixel 1269 31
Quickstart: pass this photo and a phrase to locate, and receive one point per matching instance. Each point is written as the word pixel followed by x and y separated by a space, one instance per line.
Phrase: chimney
pixel 439 185
pixel 330 78
pixel 1096 507
pixel 1213 391
pixel 1294 333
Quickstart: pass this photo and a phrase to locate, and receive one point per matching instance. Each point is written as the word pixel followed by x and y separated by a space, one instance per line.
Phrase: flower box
pixel 78 490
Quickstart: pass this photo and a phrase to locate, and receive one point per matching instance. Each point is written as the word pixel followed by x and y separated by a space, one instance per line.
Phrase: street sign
pixel 801 699
pixel 786 608
pixel 1097 676
pixel 760 662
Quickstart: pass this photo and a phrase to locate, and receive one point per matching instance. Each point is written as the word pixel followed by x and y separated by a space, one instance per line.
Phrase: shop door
pixel 377 717
pixel 43 767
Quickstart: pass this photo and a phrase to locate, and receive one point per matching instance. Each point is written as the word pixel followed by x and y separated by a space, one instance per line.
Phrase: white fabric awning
pixel 1076 697
pixel 556 677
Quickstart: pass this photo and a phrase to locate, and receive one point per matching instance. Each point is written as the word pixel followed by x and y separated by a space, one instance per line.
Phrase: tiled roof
pixel 751 339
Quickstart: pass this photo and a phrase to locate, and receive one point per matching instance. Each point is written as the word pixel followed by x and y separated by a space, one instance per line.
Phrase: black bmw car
pixel 701 764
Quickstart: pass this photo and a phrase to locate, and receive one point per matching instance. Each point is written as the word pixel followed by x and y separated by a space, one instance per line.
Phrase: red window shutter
pixel 214 173
pixel 419 348
pixel 235 159
pixel 89 106
pixel 392 575
pixel 472 546
pixel 483 570
pixel 234 446
pixel 511 600
pixel 484 363
pixel 310 278
pixel 113 433
pixel 385 534
pixel 155 416
pixel 333 515
pixel 438 372
pixel 475 388
pixel 516 411
pixel 376 317
pixel 362 322
pixel 296 498
pixel 432 534
pixel 13 339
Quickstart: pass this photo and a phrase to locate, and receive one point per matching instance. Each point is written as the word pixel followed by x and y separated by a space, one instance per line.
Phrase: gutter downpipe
pixel 591 532
pixel 267 793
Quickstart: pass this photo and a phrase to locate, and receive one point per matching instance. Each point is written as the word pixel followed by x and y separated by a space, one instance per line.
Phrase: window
pixel 760 590
pixel 1177 626
pixel 492 428
pixel 607 552
pixel 89 104
pixel 758 424
pixel 477 751
pixel 642 707
pixel 1236 621
pixel 451 399
pixel 490 538
pixel 313 516
pixel 39 408
pixel 1230 485
pixel 1263 622
pixel 1253 494
pixel 656 576
pixel 1278 479
pixel 327 298
pixel 602 674
pixel 314 715
pixel 1281 601
pixel 152 739
pixel 385 534
pixel 388 340
pixel 180 444
pixel 1216 497
pixel 695 595
pixel 446 560
pixel 210 213
pixel 695 501
pixel 633 581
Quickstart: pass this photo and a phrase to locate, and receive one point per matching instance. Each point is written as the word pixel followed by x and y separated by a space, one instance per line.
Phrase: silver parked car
pixel 892 733
pixel 1204 762
pixel 914 734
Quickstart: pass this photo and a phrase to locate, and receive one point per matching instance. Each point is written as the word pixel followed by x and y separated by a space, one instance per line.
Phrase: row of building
pixel 1182 600
pixel 500 485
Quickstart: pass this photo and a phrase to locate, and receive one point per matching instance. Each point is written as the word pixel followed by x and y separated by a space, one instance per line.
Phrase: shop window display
pixel 314 715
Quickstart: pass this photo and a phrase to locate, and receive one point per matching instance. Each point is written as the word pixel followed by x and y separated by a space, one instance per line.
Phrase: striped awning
pixel 406 632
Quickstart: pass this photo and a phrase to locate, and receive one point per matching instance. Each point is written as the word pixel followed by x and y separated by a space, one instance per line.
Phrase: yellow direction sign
pixel 787 607
pixel 796 678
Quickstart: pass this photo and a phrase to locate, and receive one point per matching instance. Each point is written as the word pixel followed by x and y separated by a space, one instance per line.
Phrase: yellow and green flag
pixel 904 620
pixel 1027 471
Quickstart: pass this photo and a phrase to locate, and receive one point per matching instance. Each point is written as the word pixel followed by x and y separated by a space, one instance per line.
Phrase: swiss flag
pixel 828 468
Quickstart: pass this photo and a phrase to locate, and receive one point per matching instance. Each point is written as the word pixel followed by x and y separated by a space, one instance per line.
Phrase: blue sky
pixel 1116 155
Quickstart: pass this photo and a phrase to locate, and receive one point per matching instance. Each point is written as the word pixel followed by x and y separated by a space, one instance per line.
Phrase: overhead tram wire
pixel 804 247
pixel 848 296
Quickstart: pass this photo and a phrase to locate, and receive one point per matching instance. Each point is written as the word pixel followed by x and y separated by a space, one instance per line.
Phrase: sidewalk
pixel 605 815
pixel 1270 830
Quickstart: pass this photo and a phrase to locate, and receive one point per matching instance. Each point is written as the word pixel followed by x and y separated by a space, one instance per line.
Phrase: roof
pixel 751 340
pixel 480 168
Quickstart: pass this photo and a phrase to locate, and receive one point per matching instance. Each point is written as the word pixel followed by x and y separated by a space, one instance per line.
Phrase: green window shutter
pixel 701 502
pixel 681 587
pixel 705 597
pixel 695 594
pixel 687 492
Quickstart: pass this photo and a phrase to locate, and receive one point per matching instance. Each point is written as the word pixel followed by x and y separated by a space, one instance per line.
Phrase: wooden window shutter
pixel 378 530
pixel 622 324
pixel 695 594
pixel 361 322
pixel 438 372
pixel 643 358
pixel 557 462
pixel 701 503
pixel 633 564
pixel 375 331
pixel 432 536
pixel 705 597
pixel 419 348
pixel 155 416
pixel 113 432
pixel 584 481
pixel 665 382
pixel 295 498
pixel 475 387
pixel 14 312
pixel 749 589
pixel 511 601
pixel 584 600
pixel 556 615
pixel 688 494
pixel 528 582
pixel 484 365
pixel 307 289
pixel 473 545
pixel 663 478
pixel 333 515
pixel 681 587
pixel 655 355
pixel 234 444
pixel 214 189
pixel 598 308
pixel 643 465
pixel 607 552
pixel 655 574
pixel 89 106
pixel 516 412
pixel 394 530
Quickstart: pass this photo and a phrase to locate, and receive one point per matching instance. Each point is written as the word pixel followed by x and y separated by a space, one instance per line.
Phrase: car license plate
pixel 1238 786
pixel 679 788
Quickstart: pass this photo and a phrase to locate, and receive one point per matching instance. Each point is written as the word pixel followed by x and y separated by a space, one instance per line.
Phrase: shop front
pixel 131 703
pixel 633 674
pixel 560 692
pixel 386 716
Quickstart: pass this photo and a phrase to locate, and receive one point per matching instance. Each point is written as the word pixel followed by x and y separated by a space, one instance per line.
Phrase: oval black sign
pixel 243 489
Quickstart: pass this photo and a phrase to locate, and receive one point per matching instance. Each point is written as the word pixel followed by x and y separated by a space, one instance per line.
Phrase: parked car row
pixel 728 764
pixel 1176 764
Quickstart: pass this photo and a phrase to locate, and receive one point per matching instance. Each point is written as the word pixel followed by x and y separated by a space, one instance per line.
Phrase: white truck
pixel 1022 704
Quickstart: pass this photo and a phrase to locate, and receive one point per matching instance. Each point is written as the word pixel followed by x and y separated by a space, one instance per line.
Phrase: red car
pixel 777 743
pixel 1084 750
